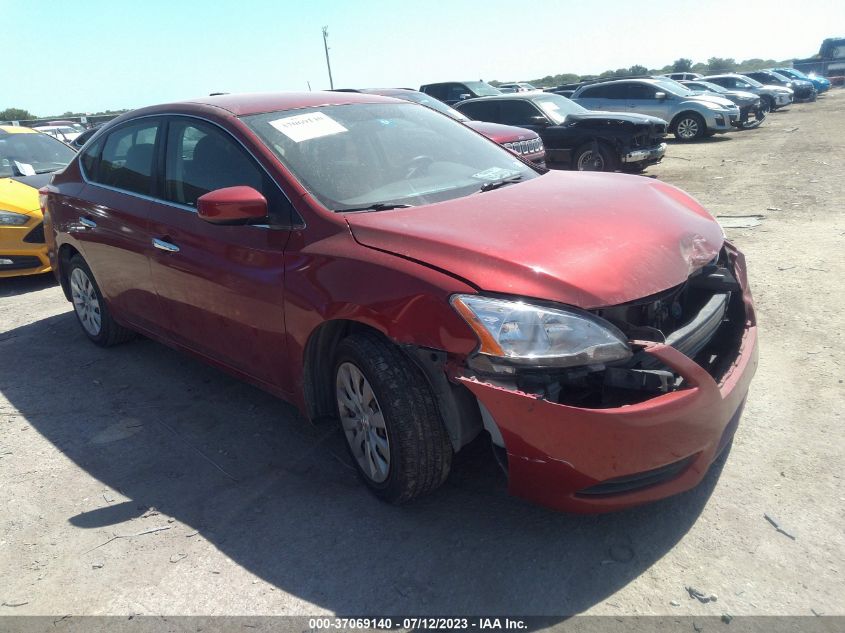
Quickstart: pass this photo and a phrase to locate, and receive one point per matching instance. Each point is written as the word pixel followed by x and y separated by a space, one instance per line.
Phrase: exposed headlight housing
pixel 10 218
pixel 518 333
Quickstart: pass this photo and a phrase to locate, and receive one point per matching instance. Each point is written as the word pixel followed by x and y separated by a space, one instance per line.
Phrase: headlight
pixel 10 218
pixel 525 334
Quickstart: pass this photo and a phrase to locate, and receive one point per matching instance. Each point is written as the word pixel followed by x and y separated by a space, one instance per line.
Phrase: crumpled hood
pixel 584 239
pixel 631 117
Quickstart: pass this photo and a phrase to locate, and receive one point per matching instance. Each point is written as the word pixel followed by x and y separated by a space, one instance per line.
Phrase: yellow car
pixel 27 161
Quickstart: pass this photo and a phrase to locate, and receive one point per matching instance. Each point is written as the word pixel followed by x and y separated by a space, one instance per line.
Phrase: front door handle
pixel 165 246
pixel 88 223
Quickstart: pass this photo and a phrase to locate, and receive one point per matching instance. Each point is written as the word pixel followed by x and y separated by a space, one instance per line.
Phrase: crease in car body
pixel 554 337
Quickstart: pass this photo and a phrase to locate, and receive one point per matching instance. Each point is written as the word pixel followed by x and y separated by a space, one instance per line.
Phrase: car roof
pixel 508 96
pixel 256 103
pixel 16 129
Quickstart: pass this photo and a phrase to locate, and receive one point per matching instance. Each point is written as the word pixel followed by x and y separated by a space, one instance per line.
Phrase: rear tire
pixel 390 419
pixel 90 307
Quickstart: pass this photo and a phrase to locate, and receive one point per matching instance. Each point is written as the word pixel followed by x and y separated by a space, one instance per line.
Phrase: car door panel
pixel 220 287
pixel 223 290
pixel 113 228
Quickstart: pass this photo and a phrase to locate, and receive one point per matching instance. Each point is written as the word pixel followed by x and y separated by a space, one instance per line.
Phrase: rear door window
pixel 128 157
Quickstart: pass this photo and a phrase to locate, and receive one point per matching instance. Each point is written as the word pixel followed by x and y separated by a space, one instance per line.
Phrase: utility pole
pixel 328 63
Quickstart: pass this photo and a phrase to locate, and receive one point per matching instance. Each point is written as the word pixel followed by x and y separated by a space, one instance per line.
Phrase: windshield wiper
pixel 378 206
pixel 495 184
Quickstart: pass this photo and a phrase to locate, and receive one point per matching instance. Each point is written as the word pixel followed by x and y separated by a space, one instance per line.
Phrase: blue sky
pixel 90 55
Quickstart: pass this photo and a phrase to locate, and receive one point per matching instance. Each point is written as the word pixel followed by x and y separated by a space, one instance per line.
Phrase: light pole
pixel 328 63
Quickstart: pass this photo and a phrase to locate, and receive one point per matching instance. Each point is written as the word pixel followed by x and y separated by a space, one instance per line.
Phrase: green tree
pixel 721 65
pixel 682 65
pixel 16 114
pixel 636 69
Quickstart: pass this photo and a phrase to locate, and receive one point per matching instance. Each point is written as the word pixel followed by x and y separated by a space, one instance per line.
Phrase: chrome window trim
pixel 186 207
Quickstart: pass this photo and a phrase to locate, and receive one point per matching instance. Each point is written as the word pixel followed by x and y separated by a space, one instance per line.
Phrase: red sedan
pixel 392 271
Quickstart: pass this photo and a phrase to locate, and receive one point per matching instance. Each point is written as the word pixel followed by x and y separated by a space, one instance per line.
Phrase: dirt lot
pixel 136 480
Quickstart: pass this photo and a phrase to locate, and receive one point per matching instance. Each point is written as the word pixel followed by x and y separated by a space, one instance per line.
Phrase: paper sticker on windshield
pixel 495 173
pixel 304 127
pixel 25 169
pixel 548 106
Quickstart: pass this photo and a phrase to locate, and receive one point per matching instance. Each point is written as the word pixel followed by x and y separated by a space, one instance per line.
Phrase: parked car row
pixel 598 125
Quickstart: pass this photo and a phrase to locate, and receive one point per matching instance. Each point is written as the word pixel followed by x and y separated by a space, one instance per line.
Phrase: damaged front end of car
pixel 597 410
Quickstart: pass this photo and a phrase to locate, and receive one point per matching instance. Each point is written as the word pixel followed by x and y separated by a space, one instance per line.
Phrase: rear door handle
pixel 88 223
pixel 165 246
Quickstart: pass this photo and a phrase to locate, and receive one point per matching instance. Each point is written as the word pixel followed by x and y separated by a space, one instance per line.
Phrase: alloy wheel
pixel 85 301
pixel 363 423
pixel 688 128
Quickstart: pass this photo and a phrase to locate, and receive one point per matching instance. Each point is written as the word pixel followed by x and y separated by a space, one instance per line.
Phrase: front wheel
pixel 90 308
pixel 390 419
pixel 690 126
pixel 593 157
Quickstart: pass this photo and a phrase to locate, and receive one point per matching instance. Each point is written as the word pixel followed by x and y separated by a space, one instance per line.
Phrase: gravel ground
pixel 138 481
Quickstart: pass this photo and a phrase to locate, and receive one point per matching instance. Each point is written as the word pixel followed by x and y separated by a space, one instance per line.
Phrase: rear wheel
pixel 90 308
pixel 593 157
pixel 689 126
pixel 390 419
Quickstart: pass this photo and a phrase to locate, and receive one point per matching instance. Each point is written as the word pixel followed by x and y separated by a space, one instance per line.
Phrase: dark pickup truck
pixel 575 137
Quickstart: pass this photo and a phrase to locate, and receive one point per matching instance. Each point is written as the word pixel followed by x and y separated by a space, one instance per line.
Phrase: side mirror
pixel 232 205
pixel 540 120
pixel 465 95
pixel 660 95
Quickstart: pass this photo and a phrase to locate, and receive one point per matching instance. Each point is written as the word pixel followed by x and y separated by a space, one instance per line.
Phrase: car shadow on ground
pixel 716 138
pixel 278 495
pixel 14 286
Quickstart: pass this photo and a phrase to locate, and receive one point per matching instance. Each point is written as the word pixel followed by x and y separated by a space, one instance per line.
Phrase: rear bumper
pixel 600 460
pixel 646 155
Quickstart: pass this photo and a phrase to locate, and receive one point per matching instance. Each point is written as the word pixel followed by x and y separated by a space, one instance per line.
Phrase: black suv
pixel 575 137
pixel 453 92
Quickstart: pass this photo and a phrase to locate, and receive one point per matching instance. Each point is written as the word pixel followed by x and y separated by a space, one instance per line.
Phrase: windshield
pixel 354 157
pixel 751 81
pixel 779 76
pixel 706 85
pixel 676 88
pixel 24 154
pixel 481 88
pixel 557 107
pixel 430 102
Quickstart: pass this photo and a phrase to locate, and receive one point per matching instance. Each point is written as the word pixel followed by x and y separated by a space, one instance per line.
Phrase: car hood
pixel 737 96
pixel 630 117
pixel 711 98
pixel 781 89
pixel 20 193
pixel 501 133
pixel 584 239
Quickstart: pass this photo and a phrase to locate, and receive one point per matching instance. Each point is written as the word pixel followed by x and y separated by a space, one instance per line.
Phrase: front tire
pixel 389 417
pixel 593 157
pixel 689 126
pixel 90 307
